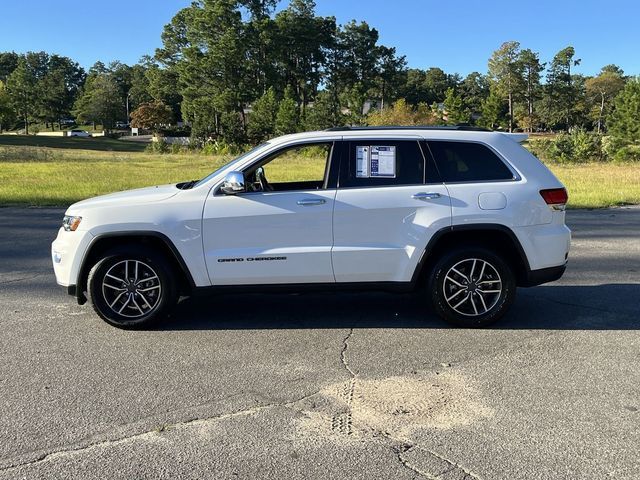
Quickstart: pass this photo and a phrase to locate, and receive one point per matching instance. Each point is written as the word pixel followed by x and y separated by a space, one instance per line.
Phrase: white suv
pixel 459 215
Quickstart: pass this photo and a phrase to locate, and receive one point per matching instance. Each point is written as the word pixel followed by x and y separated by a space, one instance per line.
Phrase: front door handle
pixel 308 202
pixel 426 195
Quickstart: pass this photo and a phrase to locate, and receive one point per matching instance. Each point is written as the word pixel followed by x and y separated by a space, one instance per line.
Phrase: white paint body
pixel 78 133
pixel 375 234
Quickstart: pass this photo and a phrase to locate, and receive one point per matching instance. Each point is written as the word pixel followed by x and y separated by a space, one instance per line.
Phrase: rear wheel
pixel 471 287
pixel 131 289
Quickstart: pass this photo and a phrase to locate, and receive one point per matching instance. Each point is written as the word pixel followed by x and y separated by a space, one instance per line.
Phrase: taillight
pixel 556 198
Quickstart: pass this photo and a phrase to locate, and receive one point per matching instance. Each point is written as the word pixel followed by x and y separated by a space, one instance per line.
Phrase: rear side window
pixel 377 163
pixel 468 162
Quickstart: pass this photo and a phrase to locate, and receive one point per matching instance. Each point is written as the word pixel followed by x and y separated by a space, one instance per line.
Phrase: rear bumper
pixel 544 275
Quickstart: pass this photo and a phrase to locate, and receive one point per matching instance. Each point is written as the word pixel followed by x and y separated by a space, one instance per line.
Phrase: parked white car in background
pixel 78 133
pixel 461 216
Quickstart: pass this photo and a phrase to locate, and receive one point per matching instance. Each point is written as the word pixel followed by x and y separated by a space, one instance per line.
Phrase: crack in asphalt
pixel 84 447
pixel 343 353
pixel 409 466
pixel 451 466
pixel 343 424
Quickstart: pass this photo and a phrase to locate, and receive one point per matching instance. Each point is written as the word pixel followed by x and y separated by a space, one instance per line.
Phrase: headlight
pixel 71 223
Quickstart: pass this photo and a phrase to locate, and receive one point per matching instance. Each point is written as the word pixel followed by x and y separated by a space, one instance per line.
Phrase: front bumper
pixel 67 252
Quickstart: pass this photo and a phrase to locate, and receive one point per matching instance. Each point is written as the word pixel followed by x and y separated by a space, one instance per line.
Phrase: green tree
pixel 455 108
pixel 22 88
pixel 301 46
pixel 232 128
pixel 139 91
pixel 7 115
pixel 531 70
pixel 101 102
pixel 354 66
pixel 8 63
pixel 391 74
pixel 262 120
pixel 558 107
pixel 59 88
pixel 494 110
pixel 505 69
pixel 436 83
pixel 474 89
pixel 624 122
pixel 163 87
pixel 325 113
pixel 287 118
pixel 601 91
pixel 427 86
pixel 414 90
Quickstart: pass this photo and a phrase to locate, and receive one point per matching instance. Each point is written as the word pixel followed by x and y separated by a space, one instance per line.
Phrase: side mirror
pixel 233 183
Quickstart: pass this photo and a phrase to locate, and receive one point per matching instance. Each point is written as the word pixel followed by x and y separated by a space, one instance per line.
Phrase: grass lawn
pixel 597 185
pixel 103 144
pixel 42 171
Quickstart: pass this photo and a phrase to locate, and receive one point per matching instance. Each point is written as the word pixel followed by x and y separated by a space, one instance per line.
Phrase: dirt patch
pixel 395 406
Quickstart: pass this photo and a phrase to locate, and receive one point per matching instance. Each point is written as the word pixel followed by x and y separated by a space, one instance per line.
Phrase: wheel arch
pixel 486 235
pixel 158 241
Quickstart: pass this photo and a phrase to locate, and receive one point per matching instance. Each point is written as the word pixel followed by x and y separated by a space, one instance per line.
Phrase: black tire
pixel 479 309
pixel 150 299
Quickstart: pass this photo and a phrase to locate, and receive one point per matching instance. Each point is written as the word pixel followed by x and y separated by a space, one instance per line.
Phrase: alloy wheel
pixel 472 287
pixel 131 288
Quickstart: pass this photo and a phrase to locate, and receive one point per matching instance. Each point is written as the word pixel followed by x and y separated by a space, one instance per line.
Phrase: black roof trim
pixel 466 128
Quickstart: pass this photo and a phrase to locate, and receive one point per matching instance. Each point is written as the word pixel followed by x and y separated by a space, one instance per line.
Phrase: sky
pixel 457 36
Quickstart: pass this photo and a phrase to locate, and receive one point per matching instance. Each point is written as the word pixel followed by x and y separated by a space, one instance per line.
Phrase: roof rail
pixel 467 128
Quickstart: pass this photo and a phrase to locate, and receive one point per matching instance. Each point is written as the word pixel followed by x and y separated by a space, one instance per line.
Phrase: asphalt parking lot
pixel 324 385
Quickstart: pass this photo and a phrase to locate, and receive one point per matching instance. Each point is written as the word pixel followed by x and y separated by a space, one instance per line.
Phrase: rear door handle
pixel 308 202
pixel 426 195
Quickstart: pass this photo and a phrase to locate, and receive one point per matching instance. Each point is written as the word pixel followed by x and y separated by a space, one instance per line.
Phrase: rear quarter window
pixel 468 162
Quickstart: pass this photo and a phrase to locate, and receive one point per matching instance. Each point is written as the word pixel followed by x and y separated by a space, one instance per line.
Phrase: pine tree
pixel 287 117
pixel 505 69
pixel 454 108
pixel 262 119
pixel 624 122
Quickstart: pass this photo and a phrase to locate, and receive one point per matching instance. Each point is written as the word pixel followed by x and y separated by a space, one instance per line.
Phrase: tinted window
pixel 468 162
pixel 374 163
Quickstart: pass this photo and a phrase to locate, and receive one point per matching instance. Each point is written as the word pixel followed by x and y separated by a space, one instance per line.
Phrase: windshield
pixel 234 161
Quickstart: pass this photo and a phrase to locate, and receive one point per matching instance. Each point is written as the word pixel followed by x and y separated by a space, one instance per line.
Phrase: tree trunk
pixel 244 118
pixel 304 103
pixel 601 111
pixel 510 112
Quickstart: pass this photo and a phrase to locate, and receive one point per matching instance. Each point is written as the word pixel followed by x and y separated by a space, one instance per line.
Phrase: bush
pixel 158 147
pixel 629 153
pixel 176 148
pixel 220 147
pixel 578 146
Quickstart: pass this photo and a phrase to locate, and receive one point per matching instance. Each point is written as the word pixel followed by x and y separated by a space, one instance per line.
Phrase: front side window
pixel 302 167
pixel 468 162
pixel 376 163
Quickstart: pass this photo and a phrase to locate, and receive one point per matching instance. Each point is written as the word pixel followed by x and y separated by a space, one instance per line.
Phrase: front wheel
pixel 131 289
pixel 471 287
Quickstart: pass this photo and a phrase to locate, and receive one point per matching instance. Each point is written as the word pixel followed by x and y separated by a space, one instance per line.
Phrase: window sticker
pixel 362 162
pixel 383 162
pixel 376 161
